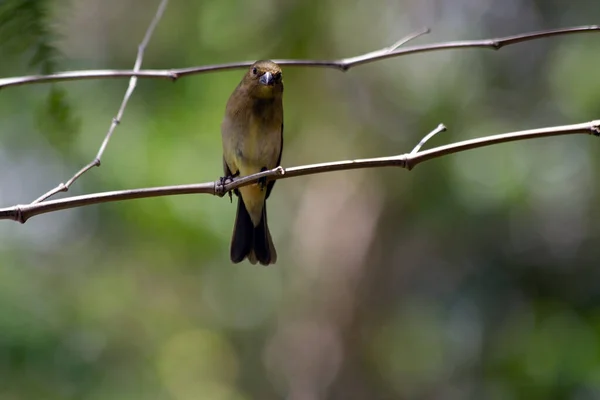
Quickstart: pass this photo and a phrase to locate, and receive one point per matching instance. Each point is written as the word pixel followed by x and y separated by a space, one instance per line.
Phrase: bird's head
pixel 263 80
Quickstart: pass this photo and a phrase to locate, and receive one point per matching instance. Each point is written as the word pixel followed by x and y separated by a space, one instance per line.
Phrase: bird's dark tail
pixel 250 241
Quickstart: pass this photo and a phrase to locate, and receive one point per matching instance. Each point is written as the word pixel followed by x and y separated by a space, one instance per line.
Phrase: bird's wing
pixel 272 183
pixel 226 169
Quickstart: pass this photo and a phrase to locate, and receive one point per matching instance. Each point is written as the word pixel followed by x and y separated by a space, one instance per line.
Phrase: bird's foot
pixel 224 180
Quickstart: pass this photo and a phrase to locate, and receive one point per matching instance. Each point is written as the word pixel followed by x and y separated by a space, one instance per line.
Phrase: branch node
pixel 405 162
pixel 220 187
pixel 116 121
pixel 280 170
pixel 173 76
pixel 19 216
pixel 595 128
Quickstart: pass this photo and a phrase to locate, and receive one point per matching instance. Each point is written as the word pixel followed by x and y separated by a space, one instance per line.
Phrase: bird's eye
pixel 254 71
pixel 277 76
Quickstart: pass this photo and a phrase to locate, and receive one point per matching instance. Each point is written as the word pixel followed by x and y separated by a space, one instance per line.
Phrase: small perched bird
pixel 252 133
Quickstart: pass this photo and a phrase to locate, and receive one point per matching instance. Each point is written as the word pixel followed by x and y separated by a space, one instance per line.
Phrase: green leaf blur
pixel 473 276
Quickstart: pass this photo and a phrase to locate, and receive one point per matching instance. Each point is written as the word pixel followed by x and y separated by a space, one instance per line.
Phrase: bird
pixel 252 136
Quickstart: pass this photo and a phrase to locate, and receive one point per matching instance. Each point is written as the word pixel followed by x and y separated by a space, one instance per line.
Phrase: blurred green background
pixel 472 277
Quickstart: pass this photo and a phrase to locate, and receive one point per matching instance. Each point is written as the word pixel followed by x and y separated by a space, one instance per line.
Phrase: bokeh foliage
pixel 473 276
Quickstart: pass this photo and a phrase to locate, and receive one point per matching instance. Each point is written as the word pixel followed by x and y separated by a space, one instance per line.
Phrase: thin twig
pixel 395 46
pixel 63 187
pixel 408 38
pixel 22 213
pixel 342 64
pixel 440 128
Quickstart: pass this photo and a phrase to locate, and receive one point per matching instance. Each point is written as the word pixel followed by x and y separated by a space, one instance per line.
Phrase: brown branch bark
pixel 40 205
pixel 22 213
pixel 343 64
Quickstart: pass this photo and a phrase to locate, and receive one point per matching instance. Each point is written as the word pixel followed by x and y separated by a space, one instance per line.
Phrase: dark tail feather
pixel 243 234
pixel 263 243
pixel 249 241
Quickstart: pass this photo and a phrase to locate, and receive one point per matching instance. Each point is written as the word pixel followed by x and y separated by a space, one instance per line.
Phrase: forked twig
pixel 22 213
pixel 343 64
pixel 63 187
pixel 440 128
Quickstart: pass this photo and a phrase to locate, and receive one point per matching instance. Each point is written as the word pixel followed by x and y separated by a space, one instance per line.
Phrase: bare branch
pixel 342 64
pixel 62 187
pixel 493 44
pixel 22 213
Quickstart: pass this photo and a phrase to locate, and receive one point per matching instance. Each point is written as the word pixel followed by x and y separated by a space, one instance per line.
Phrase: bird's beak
pixel 266 79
